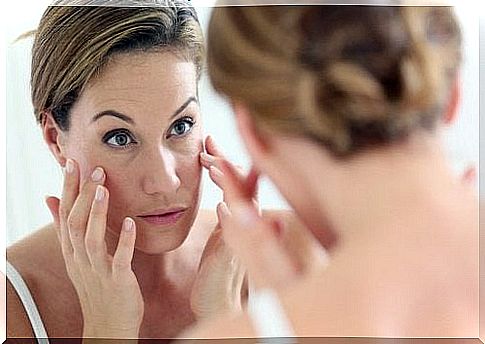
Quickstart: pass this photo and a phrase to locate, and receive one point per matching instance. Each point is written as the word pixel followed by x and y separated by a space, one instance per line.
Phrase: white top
pixel 269 319
pixel 28 302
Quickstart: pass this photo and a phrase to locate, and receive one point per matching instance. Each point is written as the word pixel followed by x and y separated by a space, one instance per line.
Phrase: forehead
pixel 154 82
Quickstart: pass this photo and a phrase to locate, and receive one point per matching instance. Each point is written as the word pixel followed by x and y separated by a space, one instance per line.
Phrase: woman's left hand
pixel 219 285
pixel 274 249
pixel 273 254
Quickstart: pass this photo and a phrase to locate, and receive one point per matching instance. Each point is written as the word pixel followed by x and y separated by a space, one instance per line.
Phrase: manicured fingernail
pixel 217 173
pixel 99 193
pixel 223 209
pixel 207 157
pixel 244 214
pixel 213 142
pixel 128 225
pixel 69 166
pixel 97 175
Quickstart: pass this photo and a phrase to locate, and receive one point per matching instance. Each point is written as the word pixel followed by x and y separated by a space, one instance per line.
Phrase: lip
pixel 163 216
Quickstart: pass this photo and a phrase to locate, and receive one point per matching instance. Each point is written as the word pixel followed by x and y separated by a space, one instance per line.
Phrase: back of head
pixel 76 38
pixel 348 77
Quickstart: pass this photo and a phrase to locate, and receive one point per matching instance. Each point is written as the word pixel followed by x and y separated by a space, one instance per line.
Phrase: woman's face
pixel 140 121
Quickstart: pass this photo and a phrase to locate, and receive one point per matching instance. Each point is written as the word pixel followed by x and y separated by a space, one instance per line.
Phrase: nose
pixel 160 175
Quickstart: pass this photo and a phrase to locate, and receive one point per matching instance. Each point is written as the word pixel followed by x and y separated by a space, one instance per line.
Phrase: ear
pixel 53 136
pixel 452 108
pixel 256 144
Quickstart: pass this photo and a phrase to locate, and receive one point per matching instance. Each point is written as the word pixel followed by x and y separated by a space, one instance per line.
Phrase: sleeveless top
pixel 28 302
pixel 265 311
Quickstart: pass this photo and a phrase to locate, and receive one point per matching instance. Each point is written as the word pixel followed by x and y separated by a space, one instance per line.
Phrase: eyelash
pixel 186 119
pixel 111 134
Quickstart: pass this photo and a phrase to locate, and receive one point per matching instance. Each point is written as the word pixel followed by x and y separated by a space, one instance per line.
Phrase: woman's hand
pixel 108 291
pixel 273 254
pixel 219 285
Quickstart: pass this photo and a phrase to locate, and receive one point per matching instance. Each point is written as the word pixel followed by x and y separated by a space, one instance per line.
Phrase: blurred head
pixel 117 88
pixel 314 79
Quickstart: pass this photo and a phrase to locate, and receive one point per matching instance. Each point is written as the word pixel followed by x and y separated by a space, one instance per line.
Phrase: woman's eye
pixel 182 127
pixel 119 139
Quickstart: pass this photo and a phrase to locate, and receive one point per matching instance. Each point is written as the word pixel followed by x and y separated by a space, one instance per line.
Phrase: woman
pixel 115 92
pixel 345 118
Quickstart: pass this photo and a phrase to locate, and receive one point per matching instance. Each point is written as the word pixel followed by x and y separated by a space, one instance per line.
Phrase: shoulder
pixel 18 324
pixel 32 243
pixel 37 255
pixel 38 260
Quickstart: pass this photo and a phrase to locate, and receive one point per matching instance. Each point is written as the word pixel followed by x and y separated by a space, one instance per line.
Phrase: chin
pixel 157 248
pixel 154 240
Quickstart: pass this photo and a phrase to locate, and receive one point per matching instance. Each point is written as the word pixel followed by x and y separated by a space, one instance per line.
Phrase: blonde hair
pixel 348 77
pixel 76 38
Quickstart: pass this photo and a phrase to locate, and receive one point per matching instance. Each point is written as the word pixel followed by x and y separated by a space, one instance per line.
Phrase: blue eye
pixel 119 138
pixel 182 127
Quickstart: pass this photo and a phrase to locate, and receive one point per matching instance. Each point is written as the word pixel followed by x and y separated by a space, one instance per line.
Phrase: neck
pixel 153 271
pixel 399 193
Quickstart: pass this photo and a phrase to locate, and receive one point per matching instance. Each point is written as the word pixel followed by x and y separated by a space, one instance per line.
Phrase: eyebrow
pixel 184 105
pixel 130 120
pixel 113 113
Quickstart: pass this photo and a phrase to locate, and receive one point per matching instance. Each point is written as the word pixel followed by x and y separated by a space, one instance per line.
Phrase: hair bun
pixel 370 81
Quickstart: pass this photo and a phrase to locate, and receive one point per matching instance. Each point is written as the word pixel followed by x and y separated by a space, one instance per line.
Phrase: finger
pixel 278 227
pixel 214 157
pixel 469 176
pixel 126 246
pixel 96 230
pixel 70 192
pixel 234 188
pixel 53 206
pixel 251 182
pixel 208 160
pixel 222 212
pixel 212 148
pixel 251 239
pixel 78 218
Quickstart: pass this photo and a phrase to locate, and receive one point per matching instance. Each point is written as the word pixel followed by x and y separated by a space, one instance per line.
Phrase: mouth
pixel 163 217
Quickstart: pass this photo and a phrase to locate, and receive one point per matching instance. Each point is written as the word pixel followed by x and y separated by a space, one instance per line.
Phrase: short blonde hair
pixel 348 77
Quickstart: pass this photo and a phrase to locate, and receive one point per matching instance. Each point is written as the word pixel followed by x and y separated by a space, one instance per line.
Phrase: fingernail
pixel 99 193
pixel 97 175
pixel 244 214
pixel 128 225
pixel 223 209
pixel 207 157
pixel 69 166
pixel 213 142
pixel 217 173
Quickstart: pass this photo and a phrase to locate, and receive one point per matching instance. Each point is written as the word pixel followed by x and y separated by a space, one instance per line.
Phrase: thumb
pixel 253 241
pixel 53 205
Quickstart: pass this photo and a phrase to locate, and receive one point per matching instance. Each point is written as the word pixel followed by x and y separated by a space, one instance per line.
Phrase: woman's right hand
pixel 108 290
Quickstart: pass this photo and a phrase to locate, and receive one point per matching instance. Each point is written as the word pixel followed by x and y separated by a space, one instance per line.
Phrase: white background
pixel 32 173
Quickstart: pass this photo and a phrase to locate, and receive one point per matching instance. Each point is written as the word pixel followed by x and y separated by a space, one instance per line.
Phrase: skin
pixel 419 213
pixel 84 268
pixel 165 163
pixel 158 172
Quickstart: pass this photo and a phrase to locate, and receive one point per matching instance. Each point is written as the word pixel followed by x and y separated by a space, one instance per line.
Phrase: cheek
pixel 189 169
pixel 121 183
pixel 86 157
